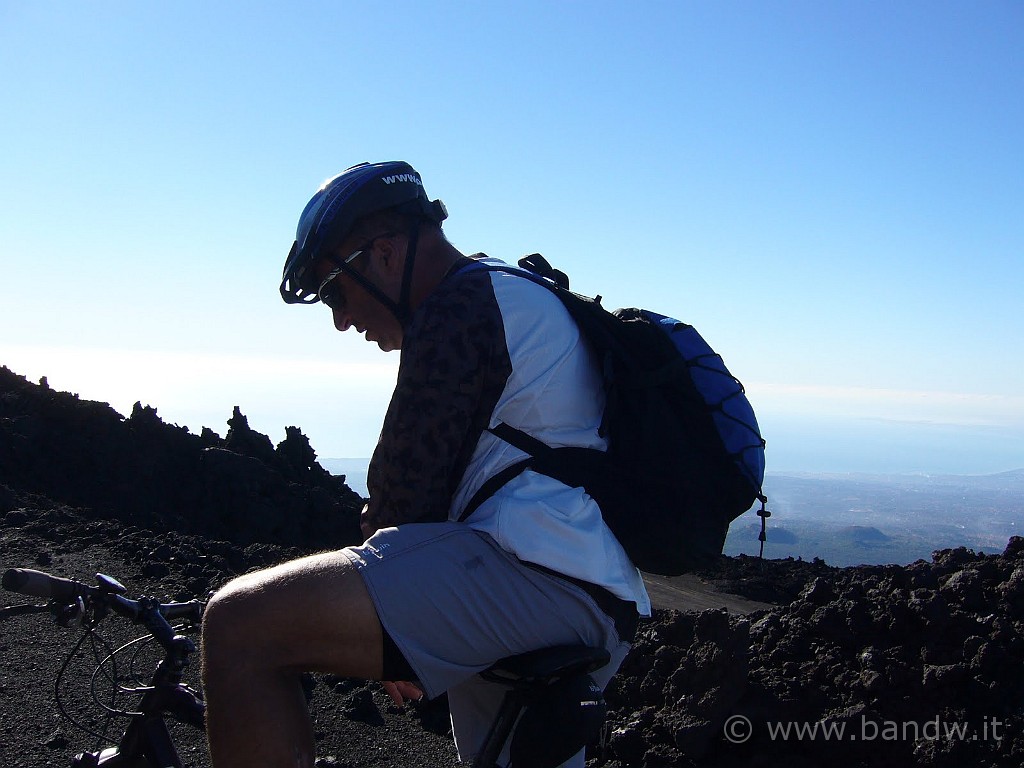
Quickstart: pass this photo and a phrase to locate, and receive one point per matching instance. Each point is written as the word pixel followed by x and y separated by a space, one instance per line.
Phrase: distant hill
pixel 863 535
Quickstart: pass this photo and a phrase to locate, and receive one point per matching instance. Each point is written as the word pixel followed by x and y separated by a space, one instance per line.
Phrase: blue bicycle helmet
pixel 329 216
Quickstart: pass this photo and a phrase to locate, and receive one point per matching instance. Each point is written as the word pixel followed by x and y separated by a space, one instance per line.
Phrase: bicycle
pixel 540 683
pixel 146 741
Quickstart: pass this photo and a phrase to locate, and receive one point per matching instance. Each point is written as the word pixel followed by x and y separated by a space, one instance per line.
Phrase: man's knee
pixel 249 611
pixel 313 613
pixel 229 620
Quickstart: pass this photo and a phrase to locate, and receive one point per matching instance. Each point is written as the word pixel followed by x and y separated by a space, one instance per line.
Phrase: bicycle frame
pixel 146 740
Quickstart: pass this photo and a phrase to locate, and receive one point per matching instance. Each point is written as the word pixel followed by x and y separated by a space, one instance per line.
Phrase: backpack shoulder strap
pixel 536 269
pixel 538 265
pixel 524 442
pixel 492 485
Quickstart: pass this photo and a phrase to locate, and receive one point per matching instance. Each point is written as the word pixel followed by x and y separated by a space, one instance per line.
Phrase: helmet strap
pixel 401 309
pixel 369 287
pixel 404 314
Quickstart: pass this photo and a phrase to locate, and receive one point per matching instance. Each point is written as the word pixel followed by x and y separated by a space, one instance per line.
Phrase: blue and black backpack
pixel 685 456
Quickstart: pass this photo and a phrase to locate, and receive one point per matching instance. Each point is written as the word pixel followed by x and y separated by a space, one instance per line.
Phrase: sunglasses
pixel 330 292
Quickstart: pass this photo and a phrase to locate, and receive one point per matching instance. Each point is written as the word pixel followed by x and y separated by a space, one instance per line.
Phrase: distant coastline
pixel 858 518
pixel 874 519
pixel 354 471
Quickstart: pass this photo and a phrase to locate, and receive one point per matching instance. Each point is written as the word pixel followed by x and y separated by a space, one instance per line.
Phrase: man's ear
pixel 389 256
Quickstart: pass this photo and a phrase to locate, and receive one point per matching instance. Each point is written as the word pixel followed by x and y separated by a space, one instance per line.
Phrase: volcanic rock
pixel 917 665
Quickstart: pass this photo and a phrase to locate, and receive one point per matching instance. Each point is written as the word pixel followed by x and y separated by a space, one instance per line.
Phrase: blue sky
pixel 831 192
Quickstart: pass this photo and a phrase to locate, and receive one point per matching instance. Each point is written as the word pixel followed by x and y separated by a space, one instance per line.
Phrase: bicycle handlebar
pixel 27 581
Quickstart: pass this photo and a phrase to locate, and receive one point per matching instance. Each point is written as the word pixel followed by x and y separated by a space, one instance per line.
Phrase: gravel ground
pixel 356 725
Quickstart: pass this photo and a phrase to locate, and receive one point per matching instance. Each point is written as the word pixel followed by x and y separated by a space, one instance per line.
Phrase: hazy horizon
pixel 858 518
pixel 354 467
pixel 827 443
pixel 831 193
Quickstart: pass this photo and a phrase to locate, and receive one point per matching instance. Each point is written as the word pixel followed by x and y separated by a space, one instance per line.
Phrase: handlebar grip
pixel 38 584
pixel 192 610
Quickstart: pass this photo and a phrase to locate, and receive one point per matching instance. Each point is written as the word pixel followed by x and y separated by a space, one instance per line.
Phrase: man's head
pixel 363 202
pixel 364 291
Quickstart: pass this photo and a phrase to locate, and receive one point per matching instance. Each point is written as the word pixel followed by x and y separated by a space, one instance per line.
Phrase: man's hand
pixel 401 690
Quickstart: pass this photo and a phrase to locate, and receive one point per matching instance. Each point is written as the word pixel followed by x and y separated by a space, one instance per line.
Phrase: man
pixel 427 597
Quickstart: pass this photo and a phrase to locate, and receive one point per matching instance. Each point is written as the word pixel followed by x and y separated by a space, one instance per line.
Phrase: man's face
pixel 380 263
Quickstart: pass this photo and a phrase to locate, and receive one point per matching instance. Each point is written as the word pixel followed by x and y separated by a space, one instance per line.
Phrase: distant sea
pixel 354 471
pixel 859 518
pixel 834 444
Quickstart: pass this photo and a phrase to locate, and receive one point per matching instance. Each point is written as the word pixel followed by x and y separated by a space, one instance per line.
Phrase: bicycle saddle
pixel 546 664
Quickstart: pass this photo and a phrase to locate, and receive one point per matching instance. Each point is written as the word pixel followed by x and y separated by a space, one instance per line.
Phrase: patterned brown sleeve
pixel 454 367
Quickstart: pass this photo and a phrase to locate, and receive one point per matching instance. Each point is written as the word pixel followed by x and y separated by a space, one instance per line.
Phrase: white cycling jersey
pixel 489 347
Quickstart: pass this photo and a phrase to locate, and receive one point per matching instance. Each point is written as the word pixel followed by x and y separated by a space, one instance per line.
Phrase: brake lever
pixel 110 585
pixel 68 614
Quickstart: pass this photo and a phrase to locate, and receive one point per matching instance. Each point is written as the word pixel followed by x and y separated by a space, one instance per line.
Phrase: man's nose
pixel 341 320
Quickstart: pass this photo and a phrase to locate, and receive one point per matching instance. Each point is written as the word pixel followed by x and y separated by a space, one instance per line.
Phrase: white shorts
pixel 454 602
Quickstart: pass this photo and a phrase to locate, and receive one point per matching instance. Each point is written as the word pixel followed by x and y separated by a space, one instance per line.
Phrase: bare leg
pixel 259 633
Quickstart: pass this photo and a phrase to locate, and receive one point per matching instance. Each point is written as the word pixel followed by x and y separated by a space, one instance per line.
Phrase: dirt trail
pixel 692 593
